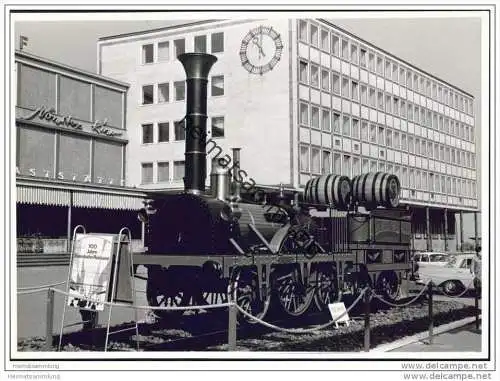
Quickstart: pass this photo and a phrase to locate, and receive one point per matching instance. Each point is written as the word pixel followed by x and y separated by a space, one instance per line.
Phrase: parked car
pixel 454 277
pixel 428 258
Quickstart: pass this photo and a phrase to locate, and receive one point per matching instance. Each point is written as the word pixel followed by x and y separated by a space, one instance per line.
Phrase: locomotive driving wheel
pixel 324 278
pixel 244 290
pixel 294 296
pixel 388 285
pixel 160 294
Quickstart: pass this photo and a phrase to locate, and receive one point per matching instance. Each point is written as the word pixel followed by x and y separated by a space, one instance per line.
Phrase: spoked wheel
pixel 293 295
pixel 326 290
pixel 452 287
pixel 244 290
pixel 388 286
pixel 158 298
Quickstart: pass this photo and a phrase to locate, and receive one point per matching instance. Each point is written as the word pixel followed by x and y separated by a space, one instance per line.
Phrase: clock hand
pixel 255 40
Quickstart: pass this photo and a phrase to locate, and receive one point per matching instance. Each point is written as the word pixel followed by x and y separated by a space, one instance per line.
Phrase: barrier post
pixel 367 319
pixel 49 324
pixel 231 331
pixel 431 317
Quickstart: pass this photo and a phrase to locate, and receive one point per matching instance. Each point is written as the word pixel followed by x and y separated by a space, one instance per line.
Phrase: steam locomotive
pixel 263 246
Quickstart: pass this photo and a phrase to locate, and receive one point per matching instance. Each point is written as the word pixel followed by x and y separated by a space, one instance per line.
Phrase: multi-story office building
pixel 301 98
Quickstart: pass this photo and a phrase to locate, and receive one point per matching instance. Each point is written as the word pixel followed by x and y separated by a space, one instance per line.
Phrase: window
pixel 373 133
pixel 313 31
pixel 404 145
pixel 147 133
pixel 373 166
pixel 304 114
pixel 388 139
pixel 354 91
pixel 453 157
pixel 303 30
pixel 147 53
pixel 404 179
pixel 314 117
pixel 428 88
pixel 147 173
pixel 147 94
pixel 217 85
pixel 364 95
pixel 362 57
pixel 365 167
pixel 180 130
pixel 411 148
pixel 163 92
pixel 325 120
pixel 435 121
pixel 315 160
pixel 164 51
pixel 380 65
pixel 314 76
pixel 402 76
pixel 354 54
pixel 179 47
pixel 389 168
pixel 304 158
pixel 415 82
pixel 409 77
pixel 394 72
pixel 403 109
pixel 325 80
pixel 388 69
pixel 436 151
pixel 336 164
pixel 371 62
pixel 380 135
pixel 163 132
pixel 434 91
pixel 417 114
pixel 397 171
pixel 217 42
pixel 180 90
pixel 345 87
pixel 417 180
pixel 303 71
pixel 381 164
pixel 441 153
pixel 423 148
pixel 325 44
pixel 364 131
pixel 336 122
pixel 346 126
pixel 336 83
pixel 395 106
pixel 200 44
pixel 345 50
pixel 163 171
pixel 335 45
pixel 388 104
pixel 178 170
pixel 410 111
pixel 412 178
pixel 326 166
pixel 396 140
pixel 355 129
pixel 371 97
pixel 356 166
pixel 417 146
pixel 346 168
pixel 380 99
pixel 440 94
pixel 218 127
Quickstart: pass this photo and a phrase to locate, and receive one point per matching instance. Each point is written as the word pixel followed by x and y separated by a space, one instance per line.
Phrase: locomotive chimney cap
pixel 197 65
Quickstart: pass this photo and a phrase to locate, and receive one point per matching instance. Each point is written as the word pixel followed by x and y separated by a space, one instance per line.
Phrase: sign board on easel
pixel 90 272
pixel 339 313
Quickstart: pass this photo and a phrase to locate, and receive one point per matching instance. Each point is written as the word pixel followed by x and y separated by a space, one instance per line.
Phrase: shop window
pixel 180 90
pixel 200 44
pixel 178 170
pixel 107 163
pixel 74 98
pixel 217 42
pixel 218 127
pixel 163 132
pixel 163 92
pixel 179 47
pixel 147 173
pixel 217 85
pixel 147 94
pixel 108 104
pixel 147 53
pixel 164 51
pixel 163 171
pixel 147 133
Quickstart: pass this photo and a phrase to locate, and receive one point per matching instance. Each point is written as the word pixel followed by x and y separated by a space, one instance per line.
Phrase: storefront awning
pixel 82 198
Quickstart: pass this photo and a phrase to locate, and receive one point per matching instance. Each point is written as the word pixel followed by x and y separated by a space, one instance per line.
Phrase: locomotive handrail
pixel 424 289
pixel 303 330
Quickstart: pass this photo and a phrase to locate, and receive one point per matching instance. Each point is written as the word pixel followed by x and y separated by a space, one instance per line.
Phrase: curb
pixel 424 335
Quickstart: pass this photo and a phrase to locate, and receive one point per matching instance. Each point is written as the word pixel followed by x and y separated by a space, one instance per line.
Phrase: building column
pixel 476 230
pixel 428 229
pixel 70 207
pixel 461 230
pixel 446 229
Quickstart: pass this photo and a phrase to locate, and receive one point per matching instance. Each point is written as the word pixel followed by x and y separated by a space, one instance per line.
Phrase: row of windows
pixel 361 55
pixel 163 172
pixel 383 101
pixel 162 51
pixel 319 161
pixel 164 133
pixel 344 125
pixel 179 90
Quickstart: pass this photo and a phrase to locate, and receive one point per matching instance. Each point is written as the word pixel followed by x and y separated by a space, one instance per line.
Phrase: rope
pixel 42 286
pixel 379 297
pixel 302 330
pixel 459 295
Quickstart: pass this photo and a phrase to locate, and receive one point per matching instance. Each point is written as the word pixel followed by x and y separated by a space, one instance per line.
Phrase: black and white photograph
pixel 250 188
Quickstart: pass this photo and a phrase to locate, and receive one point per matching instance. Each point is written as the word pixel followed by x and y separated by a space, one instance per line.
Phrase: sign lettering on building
pixel 86 178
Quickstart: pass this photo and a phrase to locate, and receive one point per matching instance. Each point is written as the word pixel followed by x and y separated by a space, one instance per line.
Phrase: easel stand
pixel 121 290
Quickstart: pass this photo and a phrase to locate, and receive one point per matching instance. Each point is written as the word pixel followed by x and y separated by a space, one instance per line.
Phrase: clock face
pixel 261 50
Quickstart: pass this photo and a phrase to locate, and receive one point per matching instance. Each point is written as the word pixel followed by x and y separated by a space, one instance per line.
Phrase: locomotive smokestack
pixel 197 66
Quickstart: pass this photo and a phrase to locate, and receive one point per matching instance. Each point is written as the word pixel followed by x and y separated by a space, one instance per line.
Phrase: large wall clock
pixel 261 50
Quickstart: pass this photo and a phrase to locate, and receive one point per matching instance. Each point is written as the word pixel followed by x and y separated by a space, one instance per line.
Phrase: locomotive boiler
pixel 261 246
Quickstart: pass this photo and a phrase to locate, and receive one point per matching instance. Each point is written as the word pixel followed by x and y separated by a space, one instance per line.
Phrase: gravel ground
pixel 386 326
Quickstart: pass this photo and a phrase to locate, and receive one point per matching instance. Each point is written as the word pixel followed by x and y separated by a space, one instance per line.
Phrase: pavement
pixel 463 339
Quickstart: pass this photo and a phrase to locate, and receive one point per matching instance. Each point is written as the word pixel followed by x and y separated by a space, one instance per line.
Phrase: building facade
pixel 301 98
pixel 71 140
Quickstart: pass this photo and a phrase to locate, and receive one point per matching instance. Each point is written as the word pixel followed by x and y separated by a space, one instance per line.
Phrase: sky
pixel 448 47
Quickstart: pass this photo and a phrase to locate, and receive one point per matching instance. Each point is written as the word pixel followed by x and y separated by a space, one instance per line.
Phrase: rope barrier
pixel 379 297
pixel 302 330
pixel 468 288
pixel 46 286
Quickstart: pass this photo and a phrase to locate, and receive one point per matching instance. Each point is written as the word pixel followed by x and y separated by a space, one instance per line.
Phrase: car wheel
pixel 452 287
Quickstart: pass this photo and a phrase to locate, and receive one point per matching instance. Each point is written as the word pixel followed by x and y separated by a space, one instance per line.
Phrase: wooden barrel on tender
pixel 376 189
pixel 329 189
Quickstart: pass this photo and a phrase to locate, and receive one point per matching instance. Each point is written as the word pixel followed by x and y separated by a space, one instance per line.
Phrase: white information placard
pixel 90 271
pixel 339 312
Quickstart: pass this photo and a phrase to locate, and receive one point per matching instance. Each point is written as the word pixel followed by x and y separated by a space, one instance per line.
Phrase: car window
pixel 466 263
pixel 438 258
pixel 452 262
pixel 424 258
pixel 416 258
